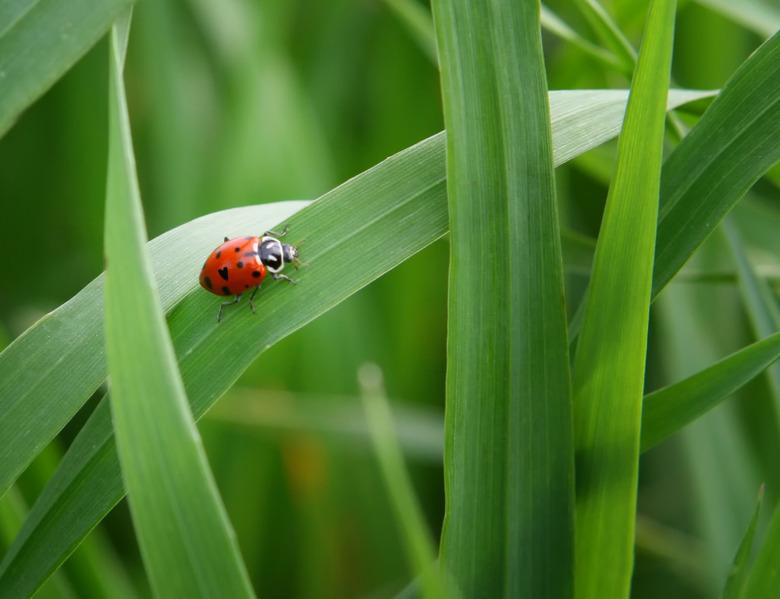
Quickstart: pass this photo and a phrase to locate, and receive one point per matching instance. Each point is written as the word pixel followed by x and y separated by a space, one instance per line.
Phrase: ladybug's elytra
pixel 242 263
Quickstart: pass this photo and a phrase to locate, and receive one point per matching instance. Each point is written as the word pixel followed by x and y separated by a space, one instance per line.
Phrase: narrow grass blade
pixel 669 409
pixel 508 527
pixel 188 546
pixel 354 234
pixel 40 40
pixel 420 431
pixel 417 539
pixel 735 583
pixel 418 21
pixel 760 304
pixel 49 372
pixel 610 360
pixel 608 32
pixel 735 142
pixel 764 577
pixel 558 27
pixel 759 16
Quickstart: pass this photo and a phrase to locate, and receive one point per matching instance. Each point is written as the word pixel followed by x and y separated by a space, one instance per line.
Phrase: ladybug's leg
pixel 223 304
pixel 252 297
pixel 280 277
pixel 278 235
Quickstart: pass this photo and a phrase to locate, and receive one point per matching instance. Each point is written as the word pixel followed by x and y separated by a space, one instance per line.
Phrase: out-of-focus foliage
pixel 235 102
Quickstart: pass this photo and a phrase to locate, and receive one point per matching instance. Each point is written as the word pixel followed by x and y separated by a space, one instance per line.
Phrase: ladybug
pixel 242 263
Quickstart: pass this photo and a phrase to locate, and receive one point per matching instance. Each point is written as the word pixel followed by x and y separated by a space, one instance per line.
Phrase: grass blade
pixel 188 546
pixel 756 15
pixel 608 32
pixel 40 40
pixel 669 409
pixel 387 214
pixel 739 570
pixel 764 578
pixel 508 435
pixel 735 142
pixel 49 372
pixel 608 400
pixel 391 462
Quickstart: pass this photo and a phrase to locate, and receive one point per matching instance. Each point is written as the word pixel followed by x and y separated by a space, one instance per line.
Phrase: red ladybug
pixel 242 263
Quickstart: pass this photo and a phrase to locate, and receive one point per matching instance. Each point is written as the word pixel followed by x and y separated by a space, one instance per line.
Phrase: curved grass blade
pixel 735 583
pixel 418 21
pixel 187 543
pixel 608 32
pixel 40 40
pixel 508 527
pixel 608 397
pixel 382 217
pixel 557 26
pixel 764 577
pixel 757 15
pixel 419 545
pixel 48 373
pixel 736 141
pixel 669 409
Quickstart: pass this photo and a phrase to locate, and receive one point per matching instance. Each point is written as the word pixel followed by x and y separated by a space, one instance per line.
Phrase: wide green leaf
pixel 187 543
pixel 40 40
pixel 48 373
pixel 509 462
pixel 357 232
pixel 609 366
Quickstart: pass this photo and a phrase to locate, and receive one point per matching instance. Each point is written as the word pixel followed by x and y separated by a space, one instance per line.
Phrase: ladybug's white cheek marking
pixel 256 250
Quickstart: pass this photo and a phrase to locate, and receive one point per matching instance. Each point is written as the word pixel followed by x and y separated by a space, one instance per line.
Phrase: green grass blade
pixel 40 40
pixel 419 430
pixel 608 397
pixel 608 32
pixel 49 372
pixel 735 583
pixel 764 577
pixel 187 543
pixel 418 21
pixel 760 304
pixel 558 27
pixel 508 527
pixel 386 215
pixel 669 409
pixel 757 15
pixel 417 539
pixel 735 142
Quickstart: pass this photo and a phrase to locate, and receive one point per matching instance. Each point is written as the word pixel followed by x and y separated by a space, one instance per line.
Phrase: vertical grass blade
pixel 610 361
pixel 407 511
pixel 186 541
pixel 508 433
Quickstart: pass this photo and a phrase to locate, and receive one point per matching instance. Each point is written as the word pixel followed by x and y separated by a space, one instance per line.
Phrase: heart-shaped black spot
pixel 223 272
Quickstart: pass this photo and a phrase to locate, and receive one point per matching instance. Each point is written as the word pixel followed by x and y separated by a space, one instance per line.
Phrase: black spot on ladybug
pixel 226 291
pixel 219 254
pixel 208 282
pixel 246 286
pixel 256 274
pixel 238 249
pixel 240 264
pixel 223 272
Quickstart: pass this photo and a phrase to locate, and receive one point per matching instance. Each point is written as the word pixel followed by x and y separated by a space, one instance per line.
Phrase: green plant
pixel 529 450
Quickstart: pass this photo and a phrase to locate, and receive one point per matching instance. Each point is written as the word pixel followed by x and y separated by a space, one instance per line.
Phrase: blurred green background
pixel 234 102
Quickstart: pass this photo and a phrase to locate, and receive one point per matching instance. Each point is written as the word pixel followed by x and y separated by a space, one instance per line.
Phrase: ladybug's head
pixel 291 254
